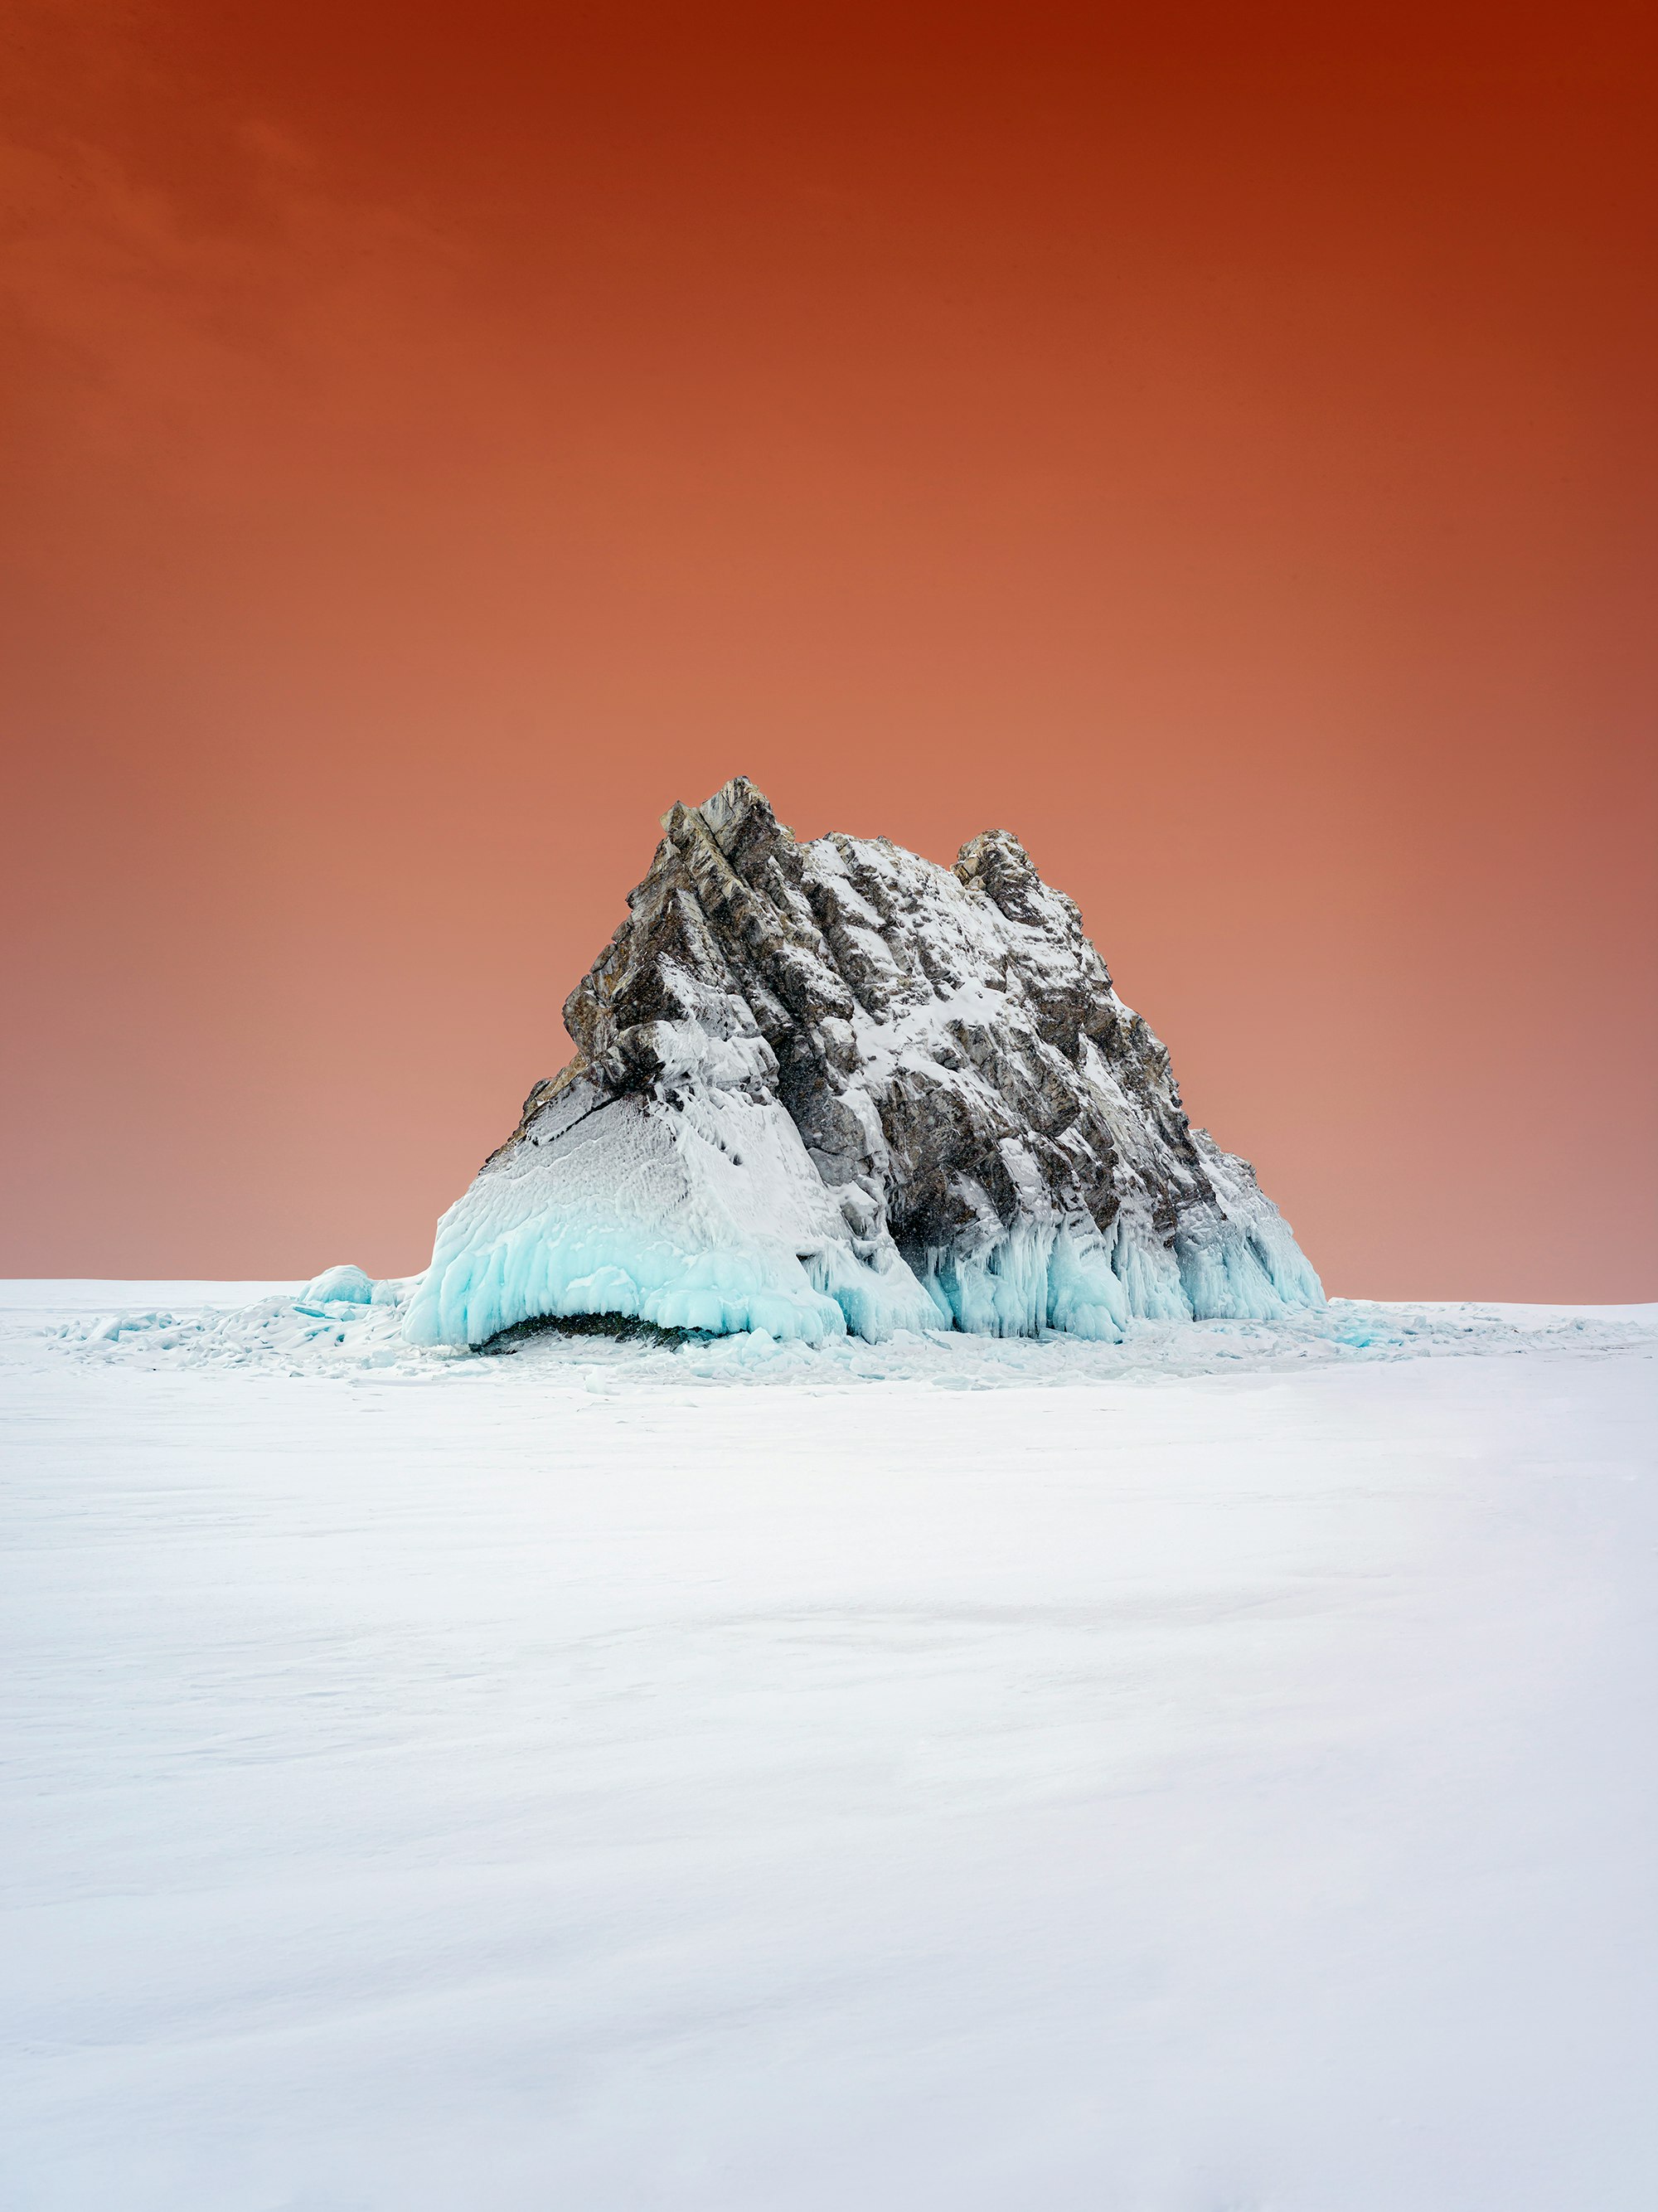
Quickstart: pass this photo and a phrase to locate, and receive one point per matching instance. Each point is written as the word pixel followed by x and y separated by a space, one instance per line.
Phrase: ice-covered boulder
pixel 343 1286
pixel 832 1086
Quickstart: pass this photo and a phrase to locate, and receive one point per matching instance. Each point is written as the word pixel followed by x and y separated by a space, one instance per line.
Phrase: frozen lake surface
pixel 1213 1774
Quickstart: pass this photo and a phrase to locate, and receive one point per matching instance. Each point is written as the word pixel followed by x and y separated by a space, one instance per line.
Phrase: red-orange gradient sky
pixel 1216 443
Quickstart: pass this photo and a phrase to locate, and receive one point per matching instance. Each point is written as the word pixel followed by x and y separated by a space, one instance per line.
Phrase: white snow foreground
pixel 831 1087
pixel 1225 1792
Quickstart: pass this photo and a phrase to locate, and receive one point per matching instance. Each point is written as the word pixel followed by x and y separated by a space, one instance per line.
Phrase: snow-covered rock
pixel 830 1086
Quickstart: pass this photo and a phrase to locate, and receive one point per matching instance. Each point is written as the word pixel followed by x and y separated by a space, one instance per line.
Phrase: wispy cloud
pixel 171 275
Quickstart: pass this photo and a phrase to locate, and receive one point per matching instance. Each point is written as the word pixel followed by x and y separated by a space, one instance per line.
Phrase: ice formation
pixel 343 1286
pixel 831 1086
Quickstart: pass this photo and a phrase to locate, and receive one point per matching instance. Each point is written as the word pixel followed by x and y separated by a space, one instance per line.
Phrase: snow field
pixel 584 1779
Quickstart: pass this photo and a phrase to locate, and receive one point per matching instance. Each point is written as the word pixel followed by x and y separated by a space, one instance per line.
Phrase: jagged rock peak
pixel 831 1085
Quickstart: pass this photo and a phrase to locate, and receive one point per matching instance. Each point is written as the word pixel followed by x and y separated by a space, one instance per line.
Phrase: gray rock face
pixel 984 1116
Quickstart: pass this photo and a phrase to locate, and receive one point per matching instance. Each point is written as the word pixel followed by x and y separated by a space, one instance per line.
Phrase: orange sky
pixel 1219 445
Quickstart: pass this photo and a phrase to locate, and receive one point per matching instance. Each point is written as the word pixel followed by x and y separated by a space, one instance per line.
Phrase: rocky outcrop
pixel 831 1085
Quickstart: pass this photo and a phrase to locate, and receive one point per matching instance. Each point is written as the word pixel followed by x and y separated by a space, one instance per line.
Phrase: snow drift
pixel 832 1086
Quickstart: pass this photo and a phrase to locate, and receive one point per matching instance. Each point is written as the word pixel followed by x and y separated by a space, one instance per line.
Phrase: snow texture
pixel 832 1087
pixel 748 1778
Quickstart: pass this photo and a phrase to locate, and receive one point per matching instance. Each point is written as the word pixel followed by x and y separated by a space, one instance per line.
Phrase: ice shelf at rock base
pixel 708 1216
pixel 836 1086
pixel 713 1217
